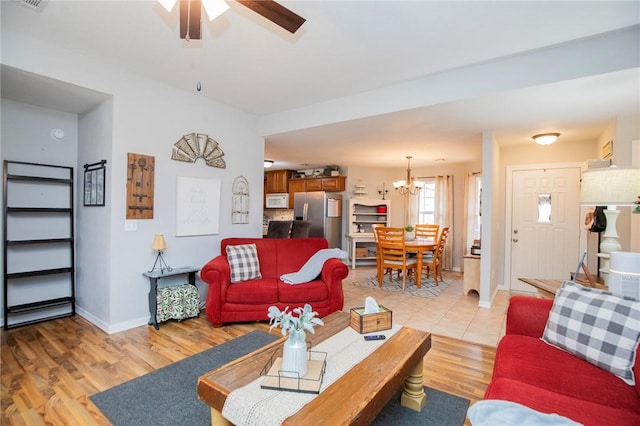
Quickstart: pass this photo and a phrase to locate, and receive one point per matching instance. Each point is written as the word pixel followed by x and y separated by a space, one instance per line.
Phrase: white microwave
pixel 277 201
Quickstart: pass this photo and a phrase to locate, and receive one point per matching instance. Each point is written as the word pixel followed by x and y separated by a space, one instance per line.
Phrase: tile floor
pixel 450 314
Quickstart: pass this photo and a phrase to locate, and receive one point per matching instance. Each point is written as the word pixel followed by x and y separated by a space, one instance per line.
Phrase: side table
pixel 154 276
pixel 471 279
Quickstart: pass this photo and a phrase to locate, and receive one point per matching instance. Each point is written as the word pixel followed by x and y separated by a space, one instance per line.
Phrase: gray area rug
pixel 168 396
pixel 428 289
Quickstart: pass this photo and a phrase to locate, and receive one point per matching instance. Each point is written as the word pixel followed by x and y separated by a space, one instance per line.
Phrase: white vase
pixel 294 355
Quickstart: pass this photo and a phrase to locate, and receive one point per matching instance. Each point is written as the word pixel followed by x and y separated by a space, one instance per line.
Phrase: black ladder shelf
pixel 39 247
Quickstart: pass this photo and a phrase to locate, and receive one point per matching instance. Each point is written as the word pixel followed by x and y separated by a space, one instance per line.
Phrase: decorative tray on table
pixel 274 377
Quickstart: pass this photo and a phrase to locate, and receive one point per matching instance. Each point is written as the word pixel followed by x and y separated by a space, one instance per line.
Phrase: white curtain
pixel 468 217
pixel 444 214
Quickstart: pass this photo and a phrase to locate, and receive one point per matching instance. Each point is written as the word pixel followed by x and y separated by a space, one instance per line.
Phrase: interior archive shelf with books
pixel 39 265
pixel 362 214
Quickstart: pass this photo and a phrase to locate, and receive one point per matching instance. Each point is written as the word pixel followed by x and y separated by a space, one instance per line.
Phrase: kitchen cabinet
pixel 328 184
pixel 276 181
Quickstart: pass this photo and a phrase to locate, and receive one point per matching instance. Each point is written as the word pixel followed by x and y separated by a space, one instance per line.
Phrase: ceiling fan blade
pixel 190 11
pixel 276 13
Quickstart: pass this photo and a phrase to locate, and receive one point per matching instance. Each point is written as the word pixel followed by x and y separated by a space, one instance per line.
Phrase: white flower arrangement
pixel 305 320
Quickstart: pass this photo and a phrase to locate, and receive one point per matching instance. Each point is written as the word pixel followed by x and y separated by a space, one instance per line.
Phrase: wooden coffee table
pixel 368 386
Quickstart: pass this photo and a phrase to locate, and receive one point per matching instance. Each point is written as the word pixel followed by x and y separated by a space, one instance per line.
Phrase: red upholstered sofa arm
pixel 217 274
pixel 333 272
pixel 527 315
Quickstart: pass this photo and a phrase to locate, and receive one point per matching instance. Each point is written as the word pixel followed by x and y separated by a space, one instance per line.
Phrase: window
pixel 427 204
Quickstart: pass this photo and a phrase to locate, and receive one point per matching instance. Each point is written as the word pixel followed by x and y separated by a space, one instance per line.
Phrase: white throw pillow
pixel 597 326
pixel 243 261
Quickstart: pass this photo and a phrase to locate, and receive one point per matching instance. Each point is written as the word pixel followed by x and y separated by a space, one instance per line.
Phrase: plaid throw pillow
pixel 243 261
pixel 597 326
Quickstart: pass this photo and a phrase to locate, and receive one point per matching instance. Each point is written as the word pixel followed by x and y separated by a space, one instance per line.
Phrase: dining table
pixel 420 246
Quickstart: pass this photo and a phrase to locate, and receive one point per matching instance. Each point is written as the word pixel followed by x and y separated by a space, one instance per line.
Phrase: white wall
pixel 143 117
pixel 93 258
pixel 25 136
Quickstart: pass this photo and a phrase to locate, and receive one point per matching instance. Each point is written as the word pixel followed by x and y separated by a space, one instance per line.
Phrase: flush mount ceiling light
pixel 268 163
pixel 545 138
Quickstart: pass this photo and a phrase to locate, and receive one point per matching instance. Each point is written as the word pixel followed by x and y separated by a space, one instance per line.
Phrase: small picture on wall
pixel 607 149
pixel 94 184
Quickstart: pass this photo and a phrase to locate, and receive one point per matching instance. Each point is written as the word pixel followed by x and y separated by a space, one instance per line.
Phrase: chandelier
pixel 409 186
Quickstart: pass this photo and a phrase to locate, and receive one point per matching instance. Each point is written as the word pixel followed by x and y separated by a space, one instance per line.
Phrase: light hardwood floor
pixel 49 370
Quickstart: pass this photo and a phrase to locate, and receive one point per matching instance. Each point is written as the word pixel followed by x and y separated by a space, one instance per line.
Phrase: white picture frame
pixel 198 206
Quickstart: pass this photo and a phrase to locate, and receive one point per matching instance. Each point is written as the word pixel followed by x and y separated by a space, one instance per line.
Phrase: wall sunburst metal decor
pixel 192 146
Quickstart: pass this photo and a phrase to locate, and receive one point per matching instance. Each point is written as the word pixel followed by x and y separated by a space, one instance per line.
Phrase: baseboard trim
pixel 111 328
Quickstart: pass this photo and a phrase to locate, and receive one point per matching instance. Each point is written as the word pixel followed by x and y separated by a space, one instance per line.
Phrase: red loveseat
pixel 530 372
pixel 250 300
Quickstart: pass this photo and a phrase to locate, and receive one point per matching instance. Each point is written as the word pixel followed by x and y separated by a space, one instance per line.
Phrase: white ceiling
pixel 346 48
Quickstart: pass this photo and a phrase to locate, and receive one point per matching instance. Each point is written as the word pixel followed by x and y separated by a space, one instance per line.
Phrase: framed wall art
pixel 198 208
pixel 140 182
pixel 94 184
pixel 240 201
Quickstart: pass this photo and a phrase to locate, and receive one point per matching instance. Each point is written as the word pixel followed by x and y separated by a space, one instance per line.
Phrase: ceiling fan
pixel 191 11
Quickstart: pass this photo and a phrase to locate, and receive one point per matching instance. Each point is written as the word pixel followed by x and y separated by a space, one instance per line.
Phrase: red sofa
pixel 250 300
pixel 547 379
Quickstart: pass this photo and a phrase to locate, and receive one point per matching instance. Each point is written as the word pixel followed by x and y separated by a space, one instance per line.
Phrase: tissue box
pixel 368 323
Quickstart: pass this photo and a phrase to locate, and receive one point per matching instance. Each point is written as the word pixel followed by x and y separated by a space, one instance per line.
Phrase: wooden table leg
pixel 418 280
pixel 217 419
pixel 413 396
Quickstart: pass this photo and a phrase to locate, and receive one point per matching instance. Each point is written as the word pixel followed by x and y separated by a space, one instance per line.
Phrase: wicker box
pixel 362 252
pixel 368 323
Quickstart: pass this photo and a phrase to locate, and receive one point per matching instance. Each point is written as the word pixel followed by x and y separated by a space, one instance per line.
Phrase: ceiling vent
pixel 33 4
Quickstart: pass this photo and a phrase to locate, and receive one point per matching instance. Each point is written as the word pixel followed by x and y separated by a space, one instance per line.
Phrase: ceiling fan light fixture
pixel 214 8
pixel 545 138
pixel 168 4
pixel 268 163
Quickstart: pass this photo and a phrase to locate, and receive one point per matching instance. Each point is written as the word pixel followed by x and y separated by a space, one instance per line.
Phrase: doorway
pixel 542 234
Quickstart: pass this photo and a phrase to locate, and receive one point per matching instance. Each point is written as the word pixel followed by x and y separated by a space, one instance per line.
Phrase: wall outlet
pixel 130 225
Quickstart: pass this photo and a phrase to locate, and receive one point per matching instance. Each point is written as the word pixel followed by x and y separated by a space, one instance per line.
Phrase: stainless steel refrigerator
pixel 324 211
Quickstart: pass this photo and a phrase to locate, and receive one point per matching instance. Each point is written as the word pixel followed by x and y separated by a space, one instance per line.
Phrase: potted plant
pixel 408 229
pixel 294 353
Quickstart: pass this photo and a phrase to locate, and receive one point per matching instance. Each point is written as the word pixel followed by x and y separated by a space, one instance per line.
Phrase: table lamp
pixel 611 187
pixel 160 245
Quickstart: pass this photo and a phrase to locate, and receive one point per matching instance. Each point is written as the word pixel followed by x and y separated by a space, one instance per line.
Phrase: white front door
pixel 545 224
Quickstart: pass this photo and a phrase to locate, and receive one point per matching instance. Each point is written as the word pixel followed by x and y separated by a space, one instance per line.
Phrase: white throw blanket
pixel 493 412
pixel 312 268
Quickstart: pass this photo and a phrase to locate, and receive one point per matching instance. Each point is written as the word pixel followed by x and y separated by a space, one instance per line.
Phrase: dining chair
pixel 392 234
pixel 300 229
pixel 374 228
pixel 279 228
pixel 379 271
pixel 425 230
pixel 433 262
pixel 391 244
